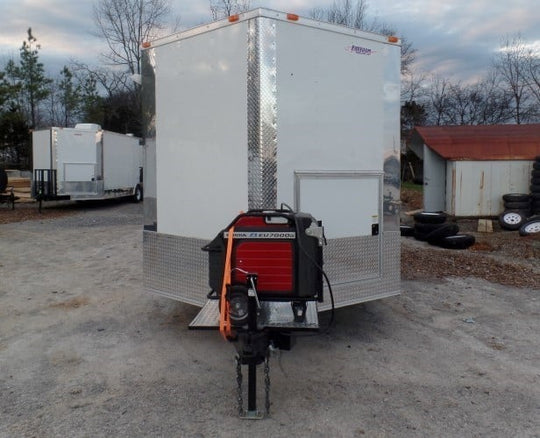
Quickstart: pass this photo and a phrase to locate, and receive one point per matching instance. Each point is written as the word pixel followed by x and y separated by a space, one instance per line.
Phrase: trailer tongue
pixel 265 275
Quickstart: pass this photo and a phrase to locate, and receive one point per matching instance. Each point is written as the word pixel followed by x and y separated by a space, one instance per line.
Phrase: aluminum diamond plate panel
pixel 262 117
pixel 387 284
pixel 175 267
pixel 352 259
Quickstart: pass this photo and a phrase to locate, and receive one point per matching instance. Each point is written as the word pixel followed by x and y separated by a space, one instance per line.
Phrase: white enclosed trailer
pixel 263 109
pixel 86 162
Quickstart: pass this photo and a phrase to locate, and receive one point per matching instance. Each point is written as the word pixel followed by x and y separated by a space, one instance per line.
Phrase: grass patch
pixel 412 186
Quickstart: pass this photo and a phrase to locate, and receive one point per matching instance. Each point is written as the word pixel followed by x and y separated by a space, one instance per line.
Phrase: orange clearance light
pixel 233 18
pixel 292 17
pixel 393 39
pixel 146 44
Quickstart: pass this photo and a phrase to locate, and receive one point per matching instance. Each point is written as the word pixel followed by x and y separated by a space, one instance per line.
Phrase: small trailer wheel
pixel 532 226
pixel 512 220
pixel 138 195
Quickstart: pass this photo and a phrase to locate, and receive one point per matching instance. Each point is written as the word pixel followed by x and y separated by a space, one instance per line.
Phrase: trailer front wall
pixel 41 149
pixel 334 104
pixel 201 129
pixel 256 113
pixel 76 160
pixel 122 159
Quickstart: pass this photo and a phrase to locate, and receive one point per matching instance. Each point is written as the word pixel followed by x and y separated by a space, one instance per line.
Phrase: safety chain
pixel 239 396
pixel 239 386
pixel 267 383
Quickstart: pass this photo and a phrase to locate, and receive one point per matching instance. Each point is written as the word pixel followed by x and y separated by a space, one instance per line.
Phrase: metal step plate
pixel 274 315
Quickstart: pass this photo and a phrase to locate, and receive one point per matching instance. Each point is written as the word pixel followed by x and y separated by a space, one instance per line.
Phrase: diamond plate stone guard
pixel 177 268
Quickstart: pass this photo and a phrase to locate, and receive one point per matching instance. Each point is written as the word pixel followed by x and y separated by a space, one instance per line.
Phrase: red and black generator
pixel 280 250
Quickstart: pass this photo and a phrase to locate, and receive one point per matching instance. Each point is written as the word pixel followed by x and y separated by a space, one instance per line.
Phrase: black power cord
pixel 321 270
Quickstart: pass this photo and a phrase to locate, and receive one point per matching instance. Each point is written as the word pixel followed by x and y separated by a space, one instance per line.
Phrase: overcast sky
pixel 455 38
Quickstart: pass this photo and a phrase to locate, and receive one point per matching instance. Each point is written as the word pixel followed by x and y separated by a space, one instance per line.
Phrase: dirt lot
pixel 85 352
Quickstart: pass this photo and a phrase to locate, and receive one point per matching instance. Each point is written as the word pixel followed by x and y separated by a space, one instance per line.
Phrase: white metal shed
pixel 467 169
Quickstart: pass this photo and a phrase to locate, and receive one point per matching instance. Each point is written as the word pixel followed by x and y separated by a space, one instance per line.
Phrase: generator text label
pixel 262 235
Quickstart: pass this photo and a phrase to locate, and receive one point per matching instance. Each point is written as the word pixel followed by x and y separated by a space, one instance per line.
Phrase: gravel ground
pixel 85 352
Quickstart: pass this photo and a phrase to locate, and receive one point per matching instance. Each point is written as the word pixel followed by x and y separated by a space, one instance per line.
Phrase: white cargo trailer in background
pixel 85 163
pixel 268 108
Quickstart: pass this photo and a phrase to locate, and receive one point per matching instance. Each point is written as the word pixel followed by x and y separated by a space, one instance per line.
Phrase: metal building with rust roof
pixel 467 169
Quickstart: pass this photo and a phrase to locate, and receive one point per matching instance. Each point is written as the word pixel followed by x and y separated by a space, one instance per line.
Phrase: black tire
pixel 516 197
pixel 535 181
pixel 420 236
pixel 406 230
pixel 138 195
pixel 535 174
pixel 3 180
pixel 446 230
pixel 525 205
pixel 426 228
pixel 535 197
pixel 422 231
pixel 536 165
pixel 531 226
pixel 512 219
pixel 535 188
pixel 458 241
pixel 427 217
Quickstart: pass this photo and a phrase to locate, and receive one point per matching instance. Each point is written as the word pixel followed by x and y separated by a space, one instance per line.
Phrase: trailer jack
pixel 267 269
pixel 253 349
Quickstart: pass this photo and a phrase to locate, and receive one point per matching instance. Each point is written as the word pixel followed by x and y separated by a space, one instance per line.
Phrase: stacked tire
pixel 432 227
pixel 522 211
pixel 517 209
pixel 535 187
pixel 532 224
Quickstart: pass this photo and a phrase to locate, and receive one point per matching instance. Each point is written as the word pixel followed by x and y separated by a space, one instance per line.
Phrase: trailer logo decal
pixel 261 235
pixel 357 50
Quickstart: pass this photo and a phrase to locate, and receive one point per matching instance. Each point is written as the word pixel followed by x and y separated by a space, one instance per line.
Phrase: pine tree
pixel 30 79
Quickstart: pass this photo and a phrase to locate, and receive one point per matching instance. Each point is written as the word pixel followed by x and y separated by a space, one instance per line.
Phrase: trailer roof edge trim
pixel 268 13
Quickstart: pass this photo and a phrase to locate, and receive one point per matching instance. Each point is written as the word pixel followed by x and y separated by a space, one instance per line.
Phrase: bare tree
pixel 413 86
pixel 226 8
pixel 532 72
pixel 438 101
pixel 511 64
pixel 354 14
pixel 108 81
pixel 496 104
pixel 126 24
pixel 533 75
pixel 345 12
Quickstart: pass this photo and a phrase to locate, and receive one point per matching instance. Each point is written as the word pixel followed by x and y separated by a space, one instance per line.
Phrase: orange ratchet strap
pixel 224 322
